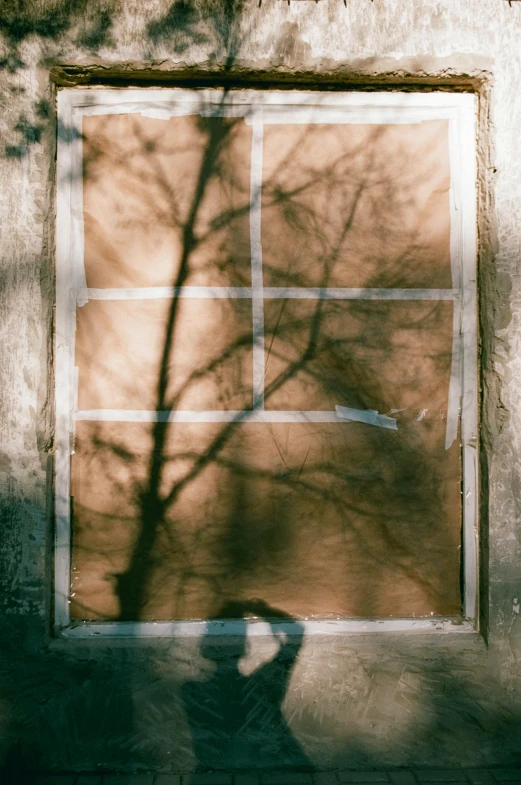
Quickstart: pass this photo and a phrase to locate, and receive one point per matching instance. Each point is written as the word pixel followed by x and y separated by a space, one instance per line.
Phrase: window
pixel 266 359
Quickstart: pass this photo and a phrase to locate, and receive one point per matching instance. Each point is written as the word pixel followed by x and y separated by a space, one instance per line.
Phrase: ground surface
pixel 392 777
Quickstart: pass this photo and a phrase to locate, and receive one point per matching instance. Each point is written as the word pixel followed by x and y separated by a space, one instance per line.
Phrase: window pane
pixel 119 354
pixel 365 354
pixel 356 205
pixel 144 179
pixel 325 520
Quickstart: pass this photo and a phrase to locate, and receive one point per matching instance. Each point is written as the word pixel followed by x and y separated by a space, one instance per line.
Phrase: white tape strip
pixel 286 108
pixel 456 260
pixel 359 294
pixel 77 255
pixel 455 198
pixel 75 388
pixel 369 416
pixel 470 382
pixel 64 347
pixel 166 112
pixel 304 115
pixel 257 304
pixel 251 416
pixel 167 292
pixel 268 293
pixel 145 108
pixel 454 399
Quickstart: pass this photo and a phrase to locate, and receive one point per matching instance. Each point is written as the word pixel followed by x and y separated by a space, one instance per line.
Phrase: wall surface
pixel 357 701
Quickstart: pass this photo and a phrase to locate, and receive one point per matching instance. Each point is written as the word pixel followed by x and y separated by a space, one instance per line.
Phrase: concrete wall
pixel 365 700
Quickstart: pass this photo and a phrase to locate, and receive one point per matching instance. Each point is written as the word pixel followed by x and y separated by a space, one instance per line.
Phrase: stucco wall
pixel 363 700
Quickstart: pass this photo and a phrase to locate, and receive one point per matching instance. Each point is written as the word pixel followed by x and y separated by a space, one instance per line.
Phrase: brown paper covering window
pixel 356 206
pixel 142 178
pixel 320 520
pixel 119 347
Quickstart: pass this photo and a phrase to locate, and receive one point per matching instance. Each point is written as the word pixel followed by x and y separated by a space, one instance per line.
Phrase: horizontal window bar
pixel 256 415
pixel 268 293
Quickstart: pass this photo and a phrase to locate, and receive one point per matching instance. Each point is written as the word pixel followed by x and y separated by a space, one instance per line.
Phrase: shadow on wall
pixel 191 519
pixel 77 22
pixel 181 522
pixel 171 707
pixel 64 709
pixel 233 493
pixel 234 718
pixel 88 27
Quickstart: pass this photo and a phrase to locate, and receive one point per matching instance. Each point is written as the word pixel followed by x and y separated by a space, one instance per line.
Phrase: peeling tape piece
pixel 368 416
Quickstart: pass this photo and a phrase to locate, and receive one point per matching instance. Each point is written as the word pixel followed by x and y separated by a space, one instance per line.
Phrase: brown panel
pixel 356 205
pixel 156 191
pixel 340 519
pixel 119 346
pixel 364 354
pixel 318 520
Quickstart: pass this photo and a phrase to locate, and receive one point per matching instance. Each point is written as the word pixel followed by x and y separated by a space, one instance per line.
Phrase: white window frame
pixel 258 107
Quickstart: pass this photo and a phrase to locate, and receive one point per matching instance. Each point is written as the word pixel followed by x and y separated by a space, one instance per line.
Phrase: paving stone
pixel 474 776
pixel 246 778
pixel 440 775
pixel 402 777
pixel 363 776
pixel 89 779
pixel 286 778
pixel 479 777
pixel 168 779
pixel 511 781
pixel 325 778
pixel 210 778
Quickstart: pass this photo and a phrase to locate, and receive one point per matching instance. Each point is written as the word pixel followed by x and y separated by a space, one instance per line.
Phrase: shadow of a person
pixel 236 721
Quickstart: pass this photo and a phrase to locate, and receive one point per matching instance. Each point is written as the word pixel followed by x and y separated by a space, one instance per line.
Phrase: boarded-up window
pixel 269 341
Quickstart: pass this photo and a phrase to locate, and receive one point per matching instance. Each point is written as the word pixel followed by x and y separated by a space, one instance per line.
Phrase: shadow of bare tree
pixel 190 520
pixel 213 503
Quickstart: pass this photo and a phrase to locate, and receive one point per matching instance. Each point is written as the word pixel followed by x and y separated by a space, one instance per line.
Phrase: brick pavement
pixel 476 776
